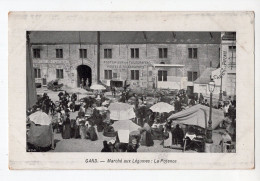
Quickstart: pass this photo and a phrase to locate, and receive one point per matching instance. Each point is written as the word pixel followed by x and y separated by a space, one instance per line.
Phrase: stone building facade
pixel 152 59
pixel 225 76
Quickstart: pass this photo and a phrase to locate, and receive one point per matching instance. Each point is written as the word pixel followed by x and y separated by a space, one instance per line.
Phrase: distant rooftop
pixel 229 36
pixel 124 37
pixel 204 78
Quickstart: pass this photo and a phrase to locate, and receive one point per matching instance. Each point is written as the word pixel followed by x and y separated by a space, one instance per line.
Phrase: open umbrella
pixel 121 111
pixel 97 87
pixel 102 108
pixel 80 91
pixel 40 118
pixel 125 125
pixel 162 107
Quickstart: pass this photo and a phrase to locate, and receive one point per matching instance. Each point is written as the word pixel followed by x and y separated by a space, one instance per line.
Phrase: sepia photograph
pixel 131 91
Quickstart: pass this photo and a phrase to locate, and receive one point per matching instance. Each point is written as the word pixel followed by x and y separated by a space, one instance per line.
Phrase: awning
pixel 168 65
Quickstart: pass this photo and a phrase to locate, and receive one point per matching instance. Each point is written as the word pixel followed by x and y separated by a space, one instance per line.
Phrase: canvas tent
pixel 198 115
pixel 40 133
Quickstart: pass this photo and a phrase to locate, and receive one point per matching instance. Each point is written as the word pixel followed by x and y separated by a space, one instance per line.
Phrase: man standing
pixel 177 135
pixel 177 104
pixel 136 101
pixel 113 89
pixel 201 99
pixel 82 83
pixel 87 83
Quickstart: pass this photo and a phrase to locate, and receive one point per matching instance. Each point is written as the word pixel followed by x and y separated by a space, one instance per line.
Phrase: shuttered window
pixel 108 74
pixel 37 73
pixel 193 53
pixel 192 76
pixel 83 53
pixel 59 53
pixel 107 53
pixel 134 74
pixel 134 52
pixel 36 53
pixel 162 75
pixel 59 73
pixel 163 52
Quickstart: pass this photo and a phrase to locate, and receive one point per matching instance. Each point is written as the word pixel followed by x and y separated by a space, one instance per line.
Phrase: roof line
pixel 126 43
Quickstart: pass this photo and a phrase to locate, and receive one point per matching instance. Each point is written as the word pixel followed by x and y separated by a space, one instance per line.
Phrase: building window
pixel 108 74
pixel 193 53
pixel 115 75
pixel 107 53
pixel 192 76
pixel 134 52
pixel 59 53
pixel 232 51
pixel 37 73
pixel 59 73
pixel 82 53
pixel 162 75
pixel 134 74
pixel 232 56
pixel 163 52
pixel 36 53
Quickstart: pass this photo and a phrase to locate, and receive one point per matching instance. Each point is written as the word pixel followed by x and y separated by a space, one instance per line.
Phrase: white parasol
pixel 121 111
pixel 162 107
pixel 79 91
pixel 97 87
pixel 102 108
pixel 125 125
pixel 41 118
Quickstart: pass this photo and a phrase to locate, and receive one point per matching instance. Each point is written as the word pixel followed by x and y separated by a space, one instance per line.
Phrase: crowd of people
pixel 153 126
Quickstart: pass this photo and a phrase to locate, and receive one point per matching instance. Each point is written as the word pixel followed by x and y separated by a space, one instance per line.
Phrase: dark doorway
pixel 84 72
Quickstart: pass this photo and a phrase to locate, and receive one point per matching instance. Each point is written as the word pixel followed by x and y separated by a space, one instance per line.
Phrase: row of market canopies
pixel 196 115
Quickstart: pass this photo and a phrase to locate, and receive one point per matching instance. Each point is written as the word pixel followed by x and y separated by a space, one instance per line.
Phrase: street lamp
pixel 209 128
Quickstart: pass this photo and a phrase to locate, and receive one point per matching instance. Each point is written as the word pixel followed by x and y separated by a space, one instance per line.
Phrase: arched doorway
pixel 84 72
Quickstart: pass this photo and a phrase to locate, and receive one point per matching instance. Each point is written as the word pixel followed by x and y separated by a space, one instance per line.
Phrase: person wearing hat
pixel 133 146
pixel 60 95
pixel 177 135
pixel 91 132
pixel 66 132
pixel 206 103
pixel 136 101
pixel 225 108
pixel 201 98
pixel 66 95
pixel 111 146
pixel 105 147
pixel 225 141
pixel 80 122
pixel 177 104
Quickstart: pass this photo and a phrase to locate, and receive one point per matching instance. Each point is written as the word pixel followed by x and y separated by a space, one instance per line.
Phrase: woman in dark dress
pixel 91 132
pixel 66 127
pixel 146 136
pixel 106 147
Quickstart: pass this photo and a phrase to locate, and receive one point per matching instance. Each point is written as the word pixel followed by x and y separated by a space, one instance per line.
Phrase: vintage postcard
pixel 131 90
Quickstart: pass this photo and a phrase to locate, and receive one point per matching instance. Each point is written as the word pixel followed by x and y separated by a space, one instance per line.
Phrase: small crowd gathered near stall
pixel 128 119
